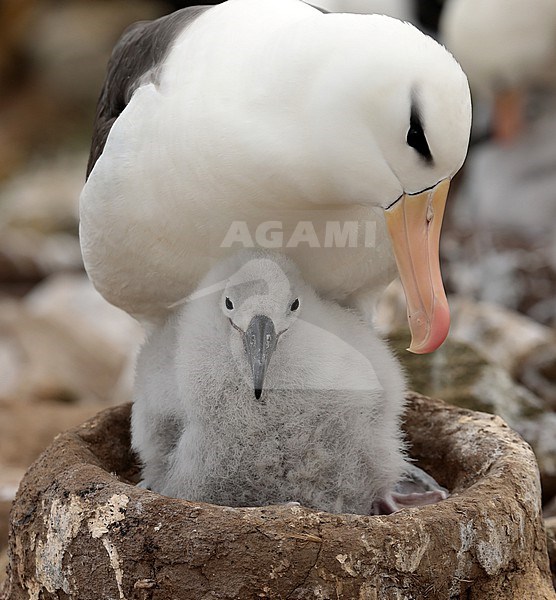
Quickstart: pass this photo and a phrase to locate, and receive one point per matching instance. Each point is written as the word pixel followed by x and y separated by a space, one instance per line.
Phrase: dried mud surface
pixel 81 529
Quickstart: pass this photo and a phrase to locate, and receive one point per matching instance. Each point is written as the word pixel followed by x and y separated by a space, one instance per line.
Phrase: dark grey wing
pixel 141 48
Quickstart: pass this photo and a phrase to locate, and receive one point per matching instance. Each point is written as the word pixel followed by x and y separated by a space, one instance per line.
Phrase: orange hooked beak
pixel 414 223
pixel 508 117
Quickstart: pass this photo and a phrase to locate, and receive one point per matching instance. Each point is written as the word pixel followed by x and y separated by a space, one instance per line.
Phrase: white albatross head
pixel 392 114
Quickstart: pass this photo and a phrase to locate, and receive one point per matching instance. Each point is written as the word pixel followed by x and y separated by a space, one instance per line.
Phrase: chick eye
pixel 416 137
pixel 294 305
pixel 229 304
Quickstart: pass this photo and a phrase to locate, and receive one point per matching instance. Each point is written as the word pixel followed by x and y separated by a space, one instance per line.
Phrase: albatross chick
pixel 257 391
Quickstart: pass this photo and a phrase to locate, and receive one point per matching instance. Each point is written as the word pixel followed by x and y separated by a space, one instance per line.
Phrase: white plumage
pixel 268 111
pixel 325 431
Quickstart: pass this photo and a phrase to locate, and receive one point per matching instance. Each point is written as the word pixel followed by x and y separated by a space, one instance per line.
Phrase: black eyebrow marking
pixel 416 135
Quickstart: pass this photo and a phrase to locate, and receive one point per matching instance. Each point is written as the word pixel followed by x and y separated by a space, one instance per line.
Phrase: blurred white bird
pixel 399 9
pixel 505 47
pixel 506 209
pixel 268 123
pixel 258 392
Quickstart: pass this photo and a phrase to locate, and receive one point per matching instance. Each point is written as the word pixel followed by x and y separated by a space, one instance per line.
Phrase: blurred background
pixel 65 353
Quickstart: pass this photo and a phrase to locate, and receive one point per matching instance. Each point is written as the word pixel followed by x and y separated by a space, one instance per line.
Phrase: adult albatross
pixel 272 123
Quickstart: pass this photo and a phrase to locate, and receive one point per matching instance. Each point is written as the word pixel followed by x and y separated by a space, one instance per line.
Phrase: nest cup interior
pixel 429 447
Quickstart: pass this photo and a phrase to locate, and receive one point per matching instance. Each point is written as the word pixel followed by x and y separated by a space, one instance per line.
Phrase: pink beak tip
pixel 438 332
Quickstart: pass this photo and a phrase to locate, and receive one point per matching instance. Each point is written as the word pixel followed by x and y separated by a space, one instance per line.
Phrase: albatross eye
pixel 229 304
pixel 416 137
pixel 294 305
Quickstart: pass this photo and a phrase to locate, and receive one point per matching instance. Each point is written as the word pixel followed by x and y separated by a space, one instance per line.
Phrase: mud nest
pixel 81 529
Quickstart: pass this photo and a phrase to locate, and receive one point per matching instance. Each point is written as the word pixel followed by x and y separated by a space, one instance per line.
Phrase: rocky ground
pixel 65 353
